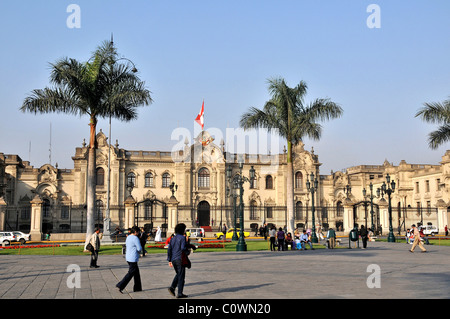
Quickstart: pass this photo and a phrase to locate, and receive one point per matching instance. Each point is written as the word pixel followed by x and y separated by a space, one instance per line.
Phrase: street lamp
pixel 239 180
pixel 231 192
pixel 389 189
pixel 173 188
pixel 371 203
pixel 312 188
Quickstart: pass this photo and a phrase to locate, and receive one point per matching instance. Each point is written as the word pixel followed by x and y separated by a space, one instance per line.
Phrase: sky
pixel 379 65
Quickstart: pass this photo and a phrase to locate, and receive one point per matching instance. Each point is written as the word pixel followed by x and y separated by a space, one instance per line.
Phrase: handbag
pixel 185 260
pixel 89 247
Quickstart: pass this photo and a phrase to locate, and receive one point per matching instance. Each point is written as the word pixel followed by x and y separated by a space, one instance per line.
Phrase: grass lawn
pixel 75 250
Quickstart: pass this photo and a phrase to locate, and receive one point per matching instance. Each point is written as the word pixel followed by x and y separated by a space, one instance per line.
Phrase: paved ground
pixel 322 273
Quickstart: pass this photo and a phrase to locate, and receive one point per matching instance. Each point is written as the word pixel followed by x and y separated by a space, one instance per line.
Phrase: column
pixel 3 206
pixel 384 216
pixel 129 212
pixel 172 211
pixel 348 216
pixel 36 218
pixel 442 216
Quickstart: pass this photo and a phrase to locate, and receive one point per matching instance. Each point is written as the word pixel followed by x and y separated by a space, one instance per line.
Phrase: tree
pixel 439 113
pixel 287 113
pixel 100 88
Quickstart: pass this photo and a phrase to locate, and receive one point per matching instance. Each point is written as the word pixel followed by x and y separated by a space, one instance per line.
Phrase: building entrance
pixel 203 214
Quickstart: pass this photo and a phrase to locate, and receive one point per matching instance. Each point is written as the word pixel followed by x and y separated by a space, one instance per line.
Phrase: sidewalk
pixel 322 273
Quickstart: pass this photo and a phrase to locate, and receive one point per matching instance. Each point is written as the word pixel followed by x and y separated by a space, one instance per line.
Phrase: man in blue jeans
pixel 133 249
pixel 176 247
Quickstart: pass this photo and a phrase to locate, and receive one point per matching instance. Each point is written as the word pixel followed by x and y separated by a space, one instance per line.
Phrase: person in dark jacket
pixel 280 238
pixel 177 248
pixel 364 236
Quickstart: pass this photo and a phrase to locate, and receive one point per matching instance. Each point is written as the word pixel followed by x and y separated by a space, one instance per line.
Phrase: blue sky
pixel 223 53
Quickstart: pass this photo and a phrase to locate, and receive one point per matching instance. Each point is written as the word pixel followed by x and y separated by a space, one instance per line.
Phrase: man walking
pixel 94 242
pixel 417 240
pixel 133 249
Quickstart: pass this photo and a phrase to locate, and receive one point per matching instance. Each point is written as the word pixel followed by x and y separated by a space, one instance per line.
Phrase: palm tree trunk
pixel 290 189
pixel 91 179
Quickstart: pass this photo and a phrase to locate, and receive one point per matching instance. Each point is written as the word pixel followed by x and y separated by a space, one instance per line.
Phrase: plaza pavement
pixel 261 275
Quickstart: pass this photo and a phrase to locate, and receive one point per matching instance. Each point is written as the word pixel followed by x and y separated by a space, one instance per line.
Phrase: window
pixel 438 184
pixel 339 209
pixel 417 187
pixel 299 210
pixel 269 212
pixel 46 208
pixel 99 210
pixel 25 213
pixel 149 180
pixel 100 176
pixel 269 182
pixel 427 186
pixel 203 178
pixel 131 180
pixel 166 180
pixel 253 210
pixel 65 212
pixel 299 180
pixel 148 211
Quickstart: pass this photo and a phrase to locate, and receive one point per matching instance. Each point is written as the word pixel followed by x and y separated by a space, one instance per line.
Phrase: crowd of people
pixel 280 239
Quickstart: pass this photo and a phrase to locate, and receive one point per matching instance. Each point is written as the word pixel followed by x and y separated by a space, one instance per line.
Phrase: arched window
pixel 166 180
pixel 131 179
pixel 299 180
pixel 203 178
pixel 149 180
pixel 269 182
pixel 100 176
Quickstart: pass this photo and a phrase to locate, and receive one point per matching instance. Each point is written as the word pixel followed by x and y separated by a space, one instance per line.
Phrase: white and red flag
pixel 199 118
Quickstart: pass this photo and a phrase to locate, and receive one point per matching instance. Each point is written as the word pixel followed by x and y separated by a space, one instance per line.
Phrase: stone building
pixel 156 188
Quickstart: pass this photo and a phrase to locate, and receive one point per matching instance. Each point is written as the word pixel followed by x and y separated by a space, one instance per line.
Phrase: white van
pixel 429 230
pixel 196 232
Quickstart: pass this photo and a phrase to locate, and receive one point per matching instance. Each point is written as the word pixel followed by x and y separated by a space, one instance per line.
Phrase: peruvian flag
pixel 199 118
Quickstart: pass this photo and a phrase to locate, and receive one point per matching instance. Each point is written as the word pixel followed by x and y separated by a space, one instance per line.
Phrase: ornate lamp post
pixel 371 197
pixel 231 192
pixel 173 188
pixel 389 189
pixel 239 181
pixel 312 188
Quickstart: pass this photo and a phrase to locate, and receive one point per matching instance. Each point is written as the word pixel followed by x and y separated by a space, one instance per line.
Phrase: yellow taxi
pixel 230 234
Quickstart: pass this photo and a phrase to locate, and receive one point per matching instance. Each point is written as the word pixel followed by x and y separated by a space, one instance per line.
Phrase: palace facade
pixel 155 188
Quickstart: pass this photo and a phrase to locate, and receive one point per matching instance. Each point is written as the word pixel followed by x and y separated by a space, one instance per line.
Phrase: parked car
pixel 120 235
pixel 196 232
pixel 429 230
pixel 22 237
pixel 7 237
pixel 229 234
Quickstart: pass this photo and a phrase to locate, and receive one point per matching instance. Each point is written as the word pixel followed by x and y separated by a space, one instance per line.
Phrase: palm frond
pixel 435 112
pixel 439 137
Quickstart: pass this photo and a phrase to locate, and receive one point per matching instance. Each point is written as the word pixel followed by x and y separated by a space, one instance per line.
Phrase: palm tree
pixel 101 87
pixel 437 113
pixel 287 113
